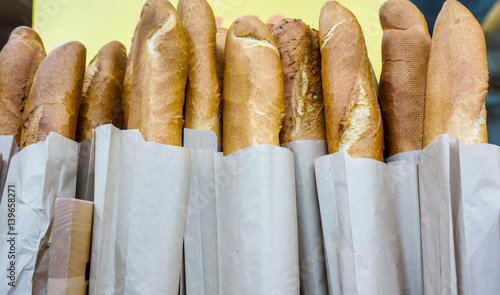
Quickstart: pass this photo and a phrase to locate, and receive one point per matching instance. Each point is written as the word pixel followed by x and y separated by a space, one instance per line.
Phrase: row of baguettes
pixel 278 83
pixel 40 94
pixel 430 87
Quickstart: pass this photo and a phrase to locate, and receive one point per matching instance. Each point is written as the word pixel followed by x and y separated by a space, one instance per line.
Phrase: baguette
pixel 253 103
pixel 159 75
pixel 352 112
pixel 102 90
pixel 19 61
pixel 54 98
pixel 220 45
pixel 457 78
pixel 405 54
pixel 301 61
pixel 202 92
pixel 127 80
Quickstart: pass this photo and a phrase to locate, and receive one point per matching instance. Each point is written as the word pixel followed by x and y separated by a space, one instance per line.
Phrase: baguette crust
pixel 159 75
pixel 352 113
pixel 301 61
pixel 127 80
pixel 54 99
pixel 19 61
pixel 220 44
pixel 457 78
pixel 253 86
pixel 102 90
pixel 202 92
pixel 405 54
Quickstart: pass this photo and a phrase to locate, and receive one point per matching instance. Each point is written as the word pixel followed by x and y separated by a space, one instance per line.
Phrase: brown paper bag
pixel 460 212
pixel 371 226
pixel 140 197
pixel 37 175
pixel 311 253
pixel 257 222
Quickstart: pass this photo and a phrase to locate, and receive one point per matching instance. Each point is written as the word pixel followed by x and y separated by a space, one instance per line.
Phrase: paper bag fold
pixel 311 253
pixel 200 237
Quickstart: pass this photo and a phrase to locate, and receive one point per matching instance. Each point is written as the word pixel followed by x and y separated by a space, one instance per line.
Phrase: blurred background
pixel 93 21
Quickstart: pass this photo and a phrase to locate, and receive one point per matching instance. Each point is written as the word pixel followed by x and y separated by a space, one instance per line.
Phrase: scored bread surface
pixel 352 113
pixel 159 75
pixel 301 61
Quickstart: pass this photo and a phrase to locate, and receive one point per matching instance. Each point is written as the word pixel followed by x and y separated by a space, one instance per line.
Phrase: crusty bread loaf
pixel 19 61
pixel 301 61
pixel 352 113
pixel 253 86
pixel 202 92
pixel 457 78
pixel 102 90
pixel 127 80
pixel 159 74
pixel 405 54
pixel 54 98
pixel 220 45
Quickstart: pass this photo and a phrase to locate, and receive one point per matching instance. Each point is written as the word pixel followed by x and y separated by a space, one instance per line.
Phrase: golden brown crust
pixel 102 90
pixel 19 61
pixel 54 98
pixel 159 74
pixel 352 113
pixel 405 53
pixel 202 91
pixel 457 78
pixel 253 86
pixel 301 61
pixel 220 44
pixel 127 80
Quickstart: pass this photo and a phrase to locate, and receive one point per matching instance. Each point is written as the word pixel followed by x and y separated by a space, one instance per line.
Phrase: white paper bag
pixel 311 253
pixel 141 191
pixel 37 175
pixel 257 222
pixel 410 157
pixel 8 148
pixel 460 205
pixel 200 237
pixel 371 227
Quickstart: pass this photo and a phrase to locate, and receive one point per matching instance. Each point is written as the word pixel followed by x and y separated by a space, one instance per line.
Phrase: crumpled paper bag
pixel 37 175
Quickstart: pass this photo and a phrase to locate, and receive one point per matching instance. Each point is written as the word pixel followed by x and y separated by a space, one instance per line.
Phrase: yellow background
pixel 96 22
